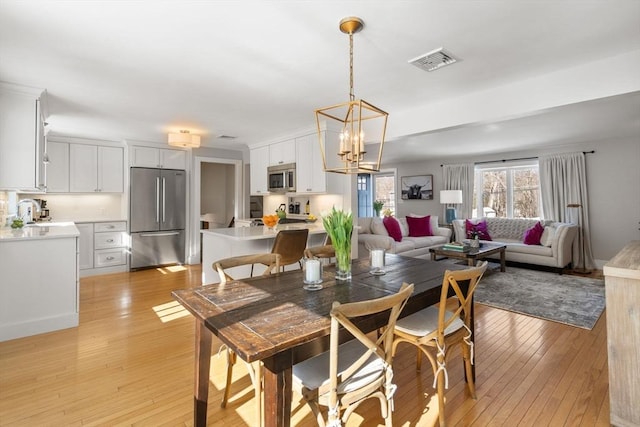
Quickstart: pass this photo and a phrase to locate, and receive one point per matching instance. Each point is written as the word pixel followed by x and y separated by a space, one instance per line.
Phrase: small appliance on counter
pixel 43 215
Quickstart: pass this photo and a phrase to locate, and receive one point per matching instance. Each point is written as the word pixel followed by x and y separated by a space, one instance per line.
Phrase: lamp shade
pixel 184 139
pixel 450 196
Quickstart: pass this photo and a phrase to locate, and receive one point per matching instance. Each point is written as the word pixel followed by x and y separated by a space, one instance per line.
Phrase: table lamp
pixel 450 197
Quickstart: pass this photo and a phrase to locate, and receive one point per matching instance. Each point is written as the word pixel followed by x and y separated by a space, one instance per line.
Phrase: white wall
pixel 613 181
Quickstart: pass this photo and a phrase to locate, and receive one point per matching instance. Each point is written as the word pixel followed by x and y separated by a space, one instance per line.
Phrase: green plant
pixel 339 226
pixel 377 205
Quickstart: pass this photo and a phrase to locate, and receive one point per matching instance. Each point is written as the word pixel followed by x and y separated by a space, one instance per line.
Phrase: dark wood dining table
pixel 276 321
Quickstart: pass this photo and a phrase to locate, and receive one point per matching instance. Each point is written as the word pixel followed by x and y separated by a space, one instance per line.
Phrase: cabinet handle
pixel 111 226
pixel 110 241
pixel 110 258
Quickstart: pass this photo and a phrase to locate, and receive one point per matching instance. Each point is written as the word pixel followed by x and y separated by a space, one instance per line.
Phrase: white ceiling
pixel 257 70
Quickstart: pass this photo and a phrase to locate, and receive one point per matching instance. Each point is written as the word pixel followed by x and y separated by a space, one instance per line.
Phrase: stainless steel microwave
pixel 282 178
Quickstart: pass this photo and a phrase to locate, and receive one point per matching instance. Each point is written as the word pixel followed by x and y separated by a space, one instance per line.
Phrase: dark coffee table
pixel 473 255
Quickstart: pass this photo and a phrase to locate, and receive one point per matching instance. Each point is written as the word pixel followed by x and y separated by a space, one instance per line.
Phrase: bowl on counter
pixel 270 221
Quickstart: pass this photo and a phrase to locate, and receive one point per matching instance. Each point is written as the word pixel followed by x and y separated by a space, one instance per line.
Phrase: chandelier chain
pixel 351 95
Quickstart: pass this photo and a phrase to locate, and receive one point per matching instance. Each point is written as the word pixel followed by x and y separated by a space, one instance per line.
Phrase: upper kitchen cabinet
pixel 310 174
pixel 21 138
pixel 57 167
pixel 95 169
pixel 282 152
pixel 149 157
pixel 258 163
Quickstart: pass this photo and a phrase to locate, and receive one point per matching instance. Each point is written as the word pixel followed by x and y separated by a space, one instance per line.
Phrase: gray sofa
pixel 555 249
pixel 372 234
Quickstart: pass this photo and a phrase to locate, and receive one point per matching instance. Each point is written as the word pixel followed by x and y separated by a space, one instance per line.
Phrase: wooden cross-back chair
pixel 272 263
pixel 324 251
pixel 437 329
pixel 348 374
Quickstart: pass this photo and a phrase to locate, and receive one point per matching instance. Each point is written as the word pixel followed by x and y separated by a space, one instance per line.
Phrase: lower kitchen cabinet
pixel 39 291
pixel 103 247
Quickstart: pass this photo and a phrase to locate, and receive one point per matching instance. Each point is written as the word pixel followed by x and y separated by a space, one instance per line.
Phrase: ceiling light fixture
pixel 184 139
pixel 353 121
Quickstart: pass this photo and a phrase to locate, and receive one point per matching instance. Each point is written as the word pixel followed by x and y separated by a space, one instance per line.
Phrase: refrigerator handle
pixel 167 233
pixel 163 197
pixel 158 199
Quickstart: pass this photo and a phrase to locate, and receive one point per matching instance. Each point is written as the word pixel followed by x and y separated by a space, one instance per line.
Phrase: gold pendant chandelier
pixel 350 124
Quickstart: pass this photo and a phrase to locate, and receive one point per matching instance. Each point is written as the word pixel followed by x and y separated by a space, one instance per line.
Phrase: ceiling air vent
pixel 225 137
pixel 435 59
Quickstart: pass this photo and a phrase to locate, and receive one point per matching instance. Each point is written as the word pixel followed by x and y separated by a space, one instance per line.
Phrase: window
pixel 380 186
pixel 510 190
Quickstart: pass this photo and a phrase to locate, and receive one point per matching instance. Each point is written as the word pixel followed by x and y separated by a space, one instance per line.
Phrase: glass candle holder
pixel 377 261
pixel 312 274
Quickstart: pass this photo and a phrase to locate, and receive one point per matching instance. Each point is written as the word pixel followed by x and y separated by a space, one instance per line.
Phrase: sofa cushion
pixel 403 246
pixel 365 225
pixel 393 228
pixel 548 235
pixel 404 227
pixel 434 221
pixel 533 234
pixel 480 228
pixel 426 241
pixel 419 226
pixel 529 249
pixel 377 227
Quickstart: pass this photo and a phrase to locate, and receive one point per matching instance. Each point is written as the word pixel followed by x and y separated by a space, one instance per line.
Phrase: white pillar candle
pixel 312 273
pixel 377 258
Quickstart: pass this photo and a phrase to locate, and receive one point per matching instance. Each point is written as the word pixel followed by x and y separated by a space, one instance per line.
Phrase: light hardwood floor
pixel 130 362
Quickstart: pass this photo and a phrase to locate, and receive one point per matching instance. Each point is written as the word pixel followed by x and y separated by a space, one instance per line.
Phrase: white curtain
pixel 460 177
pixel 563 182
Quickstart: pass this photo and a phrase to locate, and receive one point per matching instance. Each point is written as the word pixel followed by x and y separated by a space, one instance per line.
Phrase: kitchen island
pixel 218 243
pixel 39 286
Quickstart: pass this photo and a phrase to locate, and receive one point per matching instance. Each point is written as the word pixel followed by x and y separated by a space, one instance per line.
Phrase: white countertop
pixel 256 233
pixel 40 230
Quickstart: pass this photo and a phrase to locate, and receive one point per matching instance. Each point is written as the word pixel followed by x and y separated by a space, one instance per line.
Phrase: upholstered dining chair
pixel 435 330
pixel 346 375
pixel 273 262
pixel 290 244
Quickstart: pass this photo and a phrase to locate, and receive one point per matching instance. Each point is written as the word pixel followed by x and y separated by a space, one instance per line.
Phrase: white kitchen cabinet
pixel 149 157
pixel 258 163
pixel 58 167
pixel 282 152
pixel 39 291
pixel 95 169
pixel 85 245
pixel 21 139
pixel 103 247
pixel 310 174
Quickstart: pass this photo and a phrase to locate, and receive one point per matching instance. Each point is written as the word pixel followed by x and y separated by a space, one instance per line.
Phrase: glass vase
pixel 343 264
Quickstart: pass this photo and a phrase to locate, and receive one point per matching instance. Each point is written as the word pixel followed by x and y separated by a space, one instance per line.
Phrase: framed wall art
pixel 418 187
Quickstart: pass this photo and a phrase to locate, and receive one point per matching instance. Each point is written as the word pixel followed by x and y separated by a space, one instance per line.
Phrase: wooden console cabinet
pixel 622 283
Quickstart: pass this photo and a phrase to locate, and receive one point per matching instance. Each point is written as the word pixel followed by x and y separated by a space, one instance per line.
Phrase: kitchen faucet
pixel 23 201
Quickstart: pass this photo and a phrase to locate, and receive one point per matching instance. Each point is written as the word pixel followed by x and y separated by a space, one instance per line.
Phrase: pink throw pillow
pixel 393 228
pixel 419 226
pixel 479 228
pixel 532 236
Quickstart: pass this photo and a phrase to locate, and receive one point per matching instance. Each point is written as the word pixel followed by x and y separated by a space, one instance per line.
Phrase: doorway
pixel 217 197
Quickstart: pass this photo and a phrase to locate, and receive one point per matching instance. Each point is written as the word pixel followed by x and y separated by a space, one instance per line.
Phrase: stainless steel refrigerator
pixel 157 214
